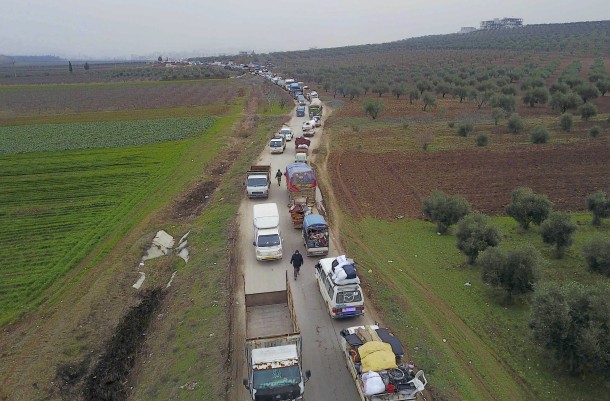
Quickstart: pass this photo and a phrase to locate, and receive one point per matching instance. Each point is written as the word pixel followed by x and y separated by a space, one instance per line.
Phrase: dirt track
pixel 391 185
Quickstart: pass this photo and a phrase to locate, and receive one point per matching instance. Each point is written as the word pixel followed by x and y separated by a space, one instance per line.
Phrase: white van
pixel 277 144
pixel 267 238
pixel 340 287
pixel 286 132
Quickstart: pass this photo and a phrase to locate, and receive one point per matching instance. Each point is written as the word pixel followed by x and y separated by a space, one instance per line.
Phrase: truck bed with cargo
pixel 315 235
pixel 301 183
pixel 374 359
pixel 273 347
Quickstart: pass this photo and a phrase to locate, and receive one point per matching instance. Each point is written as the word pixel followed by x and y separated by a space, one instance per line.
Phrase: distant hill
pixel 6 59
pixel 577 38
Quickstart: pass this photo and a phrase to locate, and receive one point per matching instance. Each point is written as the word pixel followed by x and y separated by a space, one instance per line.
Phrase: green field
pixel 418 277
pixel 101 134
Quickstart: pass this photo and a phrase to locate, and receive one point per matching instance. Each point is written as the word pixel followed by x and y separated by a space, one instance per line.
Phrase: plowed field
pixel 394 184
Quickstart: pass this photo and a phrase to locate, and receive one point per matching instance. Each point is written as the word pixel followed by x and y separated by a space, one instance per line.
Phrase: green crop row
pixel 92 135
pixel 57 205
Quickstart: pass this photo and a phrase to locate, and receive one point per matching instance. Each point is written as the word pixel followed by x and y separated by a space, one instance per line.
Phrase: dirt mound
pixel 193 203
pixel 393 184
pixel 108 380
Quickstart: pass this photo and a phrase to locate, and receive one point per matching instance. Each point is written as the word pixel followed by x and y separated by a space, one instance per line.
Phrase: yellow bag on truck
pixel 376 356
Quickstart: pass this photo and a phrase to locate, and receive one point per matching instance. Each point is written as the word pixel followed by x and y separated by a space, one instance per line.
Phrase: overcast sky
pixel 121 28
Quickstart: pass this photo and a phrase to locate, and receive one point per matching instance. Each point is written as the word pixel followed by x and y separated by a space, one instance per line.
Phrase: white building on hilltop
pixel 502 23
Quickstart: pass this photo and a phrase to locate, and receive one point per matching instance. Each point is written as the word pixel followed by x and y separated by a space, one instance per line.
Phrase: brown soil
pixel 393 184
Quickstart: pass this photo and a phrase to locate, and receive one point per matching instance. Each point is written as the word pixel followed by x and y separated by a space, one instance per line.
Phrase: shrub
pixel 481 140
pixel 451 124
pixel 597 255
pixel 513 271
pixel 373 107
pixel 566 122
pixel 558 230
pixel 464 129
pixel 599 206
pixel 571 321
pixel 587 111
pixel 527 207
pixel 515 124
pixel 497 113
pixel 444 210
pixel 474 235
pixel 540 135
pixel 594 131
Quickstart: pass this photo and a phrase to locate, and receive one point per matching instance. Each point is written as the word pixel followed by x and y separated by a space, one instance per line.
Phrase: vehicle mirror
pixel 245 382
pixel 254 243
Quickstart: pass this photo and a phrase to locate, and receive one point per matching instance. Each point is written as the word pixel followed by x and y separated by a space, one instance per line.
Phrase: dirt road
pixel 330 379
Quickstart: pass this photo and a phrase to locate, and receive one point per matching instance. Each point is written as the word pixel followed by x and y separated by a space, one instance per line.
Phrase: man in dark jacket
pixel 296 261
pixel 278 177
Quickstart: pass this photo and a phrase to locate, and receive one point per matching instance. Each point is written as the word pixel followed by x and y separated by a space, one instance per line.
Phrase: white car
pixel 307 125
pixel 286 133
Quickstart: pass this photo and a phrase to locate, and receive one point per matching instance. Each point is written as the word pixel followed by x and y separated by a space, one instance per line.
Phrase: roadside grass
pixel 66 208
pixel 197 322
pixel 469 344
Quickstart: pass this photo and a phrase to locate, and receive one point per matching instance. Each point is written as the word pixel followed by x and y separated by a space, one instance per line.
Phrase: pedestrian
pixel 278 176
pixel 296 261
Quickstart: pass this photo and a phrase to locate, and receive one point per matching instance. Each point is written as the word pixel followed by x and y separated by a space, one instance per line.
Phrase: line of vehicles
pixel 273 347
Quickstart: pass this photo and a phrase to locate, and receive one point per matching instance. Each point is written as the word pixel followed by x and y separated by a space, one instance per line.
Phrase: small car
pixel 307 125
pixel 301 111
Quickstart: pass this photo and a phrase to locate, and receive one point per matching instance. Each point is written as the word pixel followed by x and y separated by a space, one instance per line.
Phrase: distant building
pixel 503 23
pixel 467 29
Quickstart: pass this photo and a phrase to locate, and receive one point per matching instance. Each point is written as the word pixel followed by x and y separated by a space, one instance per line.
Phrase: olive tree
pixel 540 135
pixel 373 107
pixel 572 323
pixel 381 89
pixel 536 96
pixel 597 255
pixel 399 90
pixel 563 102
pixel 445 210
pixel 428 99
pixel 587 92
pixel 515 123
pixel 527 207
pixel 505 102
pixel 558 230
pixel 413 95
pixel 599 206
pixel 587 111
pixel 513 271
pixel 566 122
pixel 465 129
pixel 474 235
pixel 496 114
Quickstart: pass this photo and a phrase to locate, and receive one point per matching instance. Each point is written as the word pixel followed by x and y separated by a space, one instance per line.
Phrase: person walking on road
pixel 296 261
pixel 278 176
